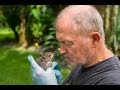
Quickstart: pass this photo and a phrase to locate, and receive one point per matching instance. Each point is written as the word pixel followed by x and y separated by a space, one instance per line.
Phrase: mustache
pixel 66 56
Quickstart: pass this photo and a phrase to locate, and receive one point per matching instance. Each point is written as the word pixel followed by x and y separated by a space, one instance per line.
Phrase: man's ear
pixel 95 37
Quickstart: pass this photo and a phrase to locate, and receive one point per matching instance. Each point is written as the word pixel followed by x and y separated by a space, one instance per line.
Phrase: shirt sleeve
pixel 112 79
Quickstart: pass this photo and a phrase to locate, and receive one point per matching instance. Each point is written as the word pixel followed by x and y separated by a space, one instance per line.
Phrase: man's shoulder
pixel 111 78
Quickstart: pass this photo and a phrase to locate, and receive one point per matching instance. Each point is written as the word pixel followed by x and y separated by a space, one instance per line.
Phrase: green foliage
pixel 2 17
pixel 11 13
pixel 42 25
pixel 12 17
pixel 39 22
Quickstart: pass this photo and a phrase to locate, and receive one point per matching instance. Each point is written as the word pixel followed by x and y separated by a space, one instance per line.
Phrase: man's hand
pixel 52 76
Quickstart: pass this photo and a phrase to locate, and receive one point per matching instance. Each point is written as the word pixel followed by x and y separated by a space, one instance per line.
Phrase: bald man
pixel 79 30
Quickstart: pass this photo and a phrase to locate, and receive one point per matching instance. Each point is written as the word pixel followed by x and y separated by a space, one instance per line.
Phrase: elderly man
pixel 79 29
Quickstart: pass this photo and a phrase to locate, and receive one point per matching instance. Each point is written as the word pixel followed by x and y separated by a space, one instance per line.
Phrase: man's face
pixel 76 48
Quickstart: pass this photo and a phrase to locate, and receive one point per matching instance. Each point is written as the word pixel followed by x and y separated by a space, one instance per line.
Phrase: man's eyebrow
pixel 63 41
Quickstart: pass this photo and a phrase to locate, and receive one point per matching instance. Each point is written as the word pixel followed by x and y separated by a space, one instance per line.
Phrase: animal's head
pixel 50 55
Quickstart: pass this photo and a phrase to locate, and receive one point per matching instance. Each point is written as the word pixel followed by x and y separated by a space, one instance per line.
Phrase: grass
pixel 6 33
pixel 14 67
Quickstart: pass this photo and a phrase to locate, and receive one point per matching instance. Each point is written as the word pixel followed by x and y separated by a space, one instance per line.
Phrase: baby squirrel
pixel 44 60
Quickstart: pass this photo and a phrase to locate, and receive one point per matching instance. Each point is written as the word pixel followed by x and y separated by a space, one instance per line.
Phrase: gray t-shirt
pixel 106 72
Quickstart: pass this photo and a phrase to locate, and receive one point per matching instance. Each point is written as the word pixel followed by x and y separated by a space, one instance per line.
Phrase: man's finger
pixel 33 63
pixel 55 65
pixel 58 76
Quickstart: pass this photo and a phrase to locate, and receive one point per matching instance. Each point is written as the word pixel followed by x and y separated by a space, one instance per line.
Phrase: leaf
pixel 49 37
pixel 35 13
pixel 47 43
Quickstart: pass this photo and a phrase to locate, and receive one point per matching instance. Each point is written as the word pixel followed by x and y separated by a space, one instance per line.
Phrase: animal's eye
pixel 49 55
pixel 45 61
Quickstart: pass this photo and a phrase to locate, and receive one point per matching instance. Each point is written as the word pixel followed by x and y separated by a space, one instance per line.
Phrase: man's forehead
pixel 65 36
pixel 63 24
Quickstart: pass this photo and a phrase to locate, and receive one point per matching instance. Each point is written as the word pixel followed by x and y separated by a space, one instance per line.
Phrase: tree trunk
pixel 114 28
pixel 15 33
pixel 23 40
pixel 29 35
pixel 111 12
pixel 118 32
pixel 107 21
pixel 29 22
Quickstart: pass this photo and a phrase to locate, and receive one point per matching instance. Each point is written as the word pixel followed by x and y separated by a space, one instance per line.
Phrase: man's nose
pixel 62 50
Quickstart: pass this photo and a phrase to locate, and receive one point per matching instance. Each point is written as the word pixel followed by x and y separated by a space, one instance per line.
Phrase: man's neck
pixel 98 57
pixel 105 55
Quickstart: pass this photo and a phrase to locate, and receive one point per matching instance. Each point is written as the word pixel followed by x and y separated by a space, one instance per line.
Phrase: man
pixel 79 29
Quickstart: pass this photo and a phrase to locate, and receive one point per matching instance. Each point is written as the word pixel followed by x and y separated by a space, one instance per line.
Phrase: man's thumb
pixel 33 62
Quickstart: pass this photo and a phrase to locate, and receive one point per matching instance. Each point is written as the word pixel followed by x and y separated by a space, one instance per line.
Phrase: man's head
pixel 79 29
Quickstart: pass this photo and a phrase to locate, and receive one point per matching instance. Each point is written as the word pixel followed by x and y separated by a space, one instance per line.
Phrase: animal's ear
pixel 40 54
pixel 49 55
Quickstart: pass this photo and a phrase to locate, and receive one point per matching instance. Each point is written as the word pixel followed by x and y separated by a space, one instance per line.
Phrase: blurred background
pixel 28 29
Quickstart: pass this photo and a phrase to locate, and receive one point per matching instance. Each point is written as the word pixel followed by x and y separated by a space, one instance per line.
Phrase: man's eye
pixel 68 44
